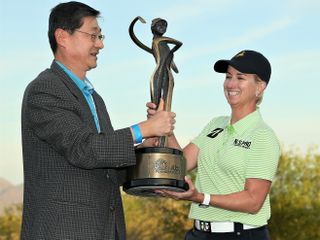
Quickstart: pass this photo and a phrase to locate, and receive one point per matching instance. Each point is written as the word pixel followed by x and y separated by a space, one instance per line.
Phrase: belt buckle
pixel 205 226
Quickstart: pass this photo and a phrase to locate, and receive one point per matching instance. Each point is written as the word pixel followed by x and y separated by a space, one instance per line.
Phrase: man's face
pixel 83 45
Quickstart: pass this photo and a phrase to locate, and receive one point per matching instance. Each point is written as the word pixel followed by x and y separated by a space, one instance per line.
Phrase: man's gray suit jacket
pixel 71 173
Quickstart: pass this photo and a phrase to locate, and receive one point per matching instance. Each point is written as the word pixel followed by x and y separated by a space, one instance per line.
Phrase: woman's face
pixel 241 89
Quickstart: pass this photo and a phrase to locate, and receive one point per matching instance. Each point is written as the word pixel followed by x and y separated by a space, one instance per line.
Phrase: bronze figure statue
pixel 161 83
pixel 158 167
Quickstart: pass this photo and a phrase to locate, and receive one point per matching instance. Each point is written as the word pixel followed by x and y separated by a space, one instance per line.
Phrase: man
pixel 74 160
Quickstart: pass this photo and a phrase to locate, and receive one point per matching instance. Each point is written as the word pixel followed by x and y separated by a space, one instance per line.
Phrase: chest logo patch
pixel 241 143
pixel 215 132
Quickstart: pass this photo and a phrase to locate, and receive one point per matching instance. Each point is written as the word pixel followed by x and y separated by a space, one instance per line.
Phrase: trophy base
pixel 147 187
pixel 156 168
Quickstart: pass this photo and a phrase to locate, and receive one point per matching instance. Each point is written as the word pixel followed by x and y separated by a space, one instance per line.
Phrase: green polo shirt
pixel 229 154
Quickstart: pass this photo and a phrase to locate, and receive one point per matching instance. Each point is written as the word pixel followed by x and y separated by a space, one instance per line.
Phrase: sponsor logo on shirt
pixel 215 132
pixel 241 143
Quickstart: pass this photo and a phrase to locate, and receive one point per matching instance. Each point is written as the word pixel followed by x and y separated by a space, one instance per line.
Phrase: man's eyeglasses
pixel 94 37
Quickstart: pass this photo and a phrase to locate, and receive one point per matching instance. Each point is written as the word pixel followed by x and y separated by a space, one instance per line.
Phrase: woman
pixel 236 158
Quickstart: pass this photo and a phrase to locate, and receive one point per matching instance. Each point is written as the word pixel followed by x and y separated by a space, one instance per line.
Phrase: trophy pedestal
pixel 156 168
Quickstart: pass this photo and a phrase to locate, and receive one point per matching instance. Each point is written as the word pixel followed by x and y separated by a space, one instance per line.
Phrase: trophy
pixel 158 167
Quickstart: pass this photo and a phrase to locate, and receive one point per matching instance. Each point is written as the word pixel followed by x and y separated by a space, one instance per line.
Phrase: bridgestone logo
pixel 215 132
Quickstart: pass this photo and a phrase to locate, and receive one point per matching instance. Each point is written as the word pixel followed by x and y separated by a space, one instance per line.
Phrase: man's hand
pixel 159 123
pixel 153 108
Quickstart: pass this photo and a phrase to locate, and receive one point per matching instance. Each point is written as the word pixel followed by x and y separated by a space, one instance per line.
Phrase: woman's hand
pixel 150 142
pixel 191 195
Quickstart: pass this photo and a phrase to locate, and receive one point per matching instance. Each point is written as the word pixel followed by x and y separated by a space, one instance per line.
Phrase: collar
pixel 85 86
pixel 245 123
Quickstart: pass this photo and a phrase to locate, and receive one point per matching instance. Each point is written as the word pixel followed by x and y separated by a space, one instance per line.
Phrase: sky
pixel 285 31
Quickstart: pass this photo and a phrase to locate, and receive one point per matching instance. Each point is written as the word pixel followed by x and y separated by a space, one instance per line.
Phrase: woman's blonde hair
pixel 260 96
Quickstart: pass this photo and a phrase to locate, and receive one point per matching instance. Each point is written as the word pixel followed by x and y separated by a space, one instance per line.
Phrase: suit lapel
pixel 74 90
pixel 104 119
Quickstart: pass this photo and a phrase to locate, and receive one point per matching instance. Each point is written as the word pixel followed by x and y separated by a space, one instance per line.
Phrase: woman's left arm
pixel 249 200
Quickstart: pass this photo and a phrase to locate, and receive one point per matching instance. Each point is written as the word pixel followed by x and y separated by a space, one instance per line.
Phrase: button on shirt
pixel 87 90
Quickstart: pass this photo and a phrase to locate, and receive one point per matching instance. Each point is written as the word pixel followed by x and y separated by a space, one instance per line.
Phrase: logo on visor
pixel 241 54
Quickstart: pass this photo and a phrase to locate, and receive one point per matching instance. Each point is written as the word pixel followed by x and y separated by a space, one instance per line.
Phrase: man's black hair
pixel 69 17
